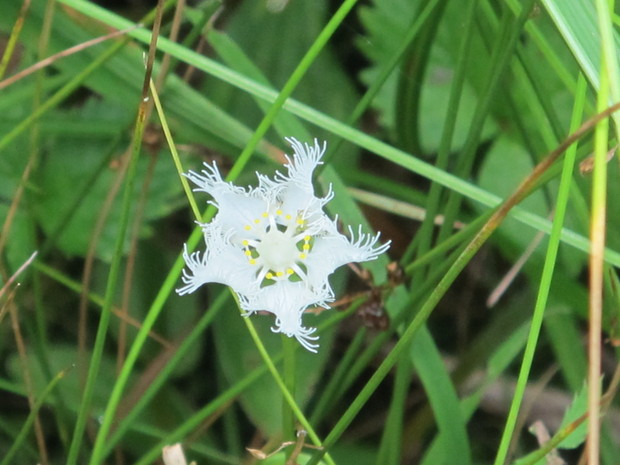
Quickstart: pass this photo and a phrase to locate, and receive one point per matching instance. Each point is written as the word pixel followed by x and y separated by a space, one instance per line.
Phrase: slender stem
pixel 285 392
pixel 545 283
pixel 596 262
pixel 288 418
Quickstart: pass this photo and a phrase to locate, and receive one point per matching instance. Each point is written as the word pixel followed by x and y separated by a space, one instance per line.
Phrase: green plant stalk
pixel 289 366
pixel 392 437
pixel 321 120
pixel 524 189
pixel 23 433
pixel 174 153
pixel 545 282
pixel 282 385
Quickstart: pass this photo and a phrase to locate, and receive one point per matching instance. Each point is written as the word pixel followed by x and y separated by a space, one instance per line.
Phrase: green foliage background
pixel 436 106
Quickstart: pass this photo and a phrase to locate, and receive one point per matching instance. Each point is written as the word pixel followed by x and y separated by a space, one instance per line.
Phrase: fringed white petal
pixel 288 301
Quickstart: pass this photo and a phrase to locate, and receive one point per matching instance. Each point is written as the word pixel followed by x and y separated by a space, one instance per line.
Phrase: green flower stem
pixel 545 281
pixel 285 392
pixel 289 346
pixel 175 154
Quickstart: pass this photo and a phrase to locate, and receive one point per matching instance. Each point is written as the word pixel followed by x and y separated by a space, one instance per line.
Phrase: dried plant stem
pixel 25 368
pixel 70 51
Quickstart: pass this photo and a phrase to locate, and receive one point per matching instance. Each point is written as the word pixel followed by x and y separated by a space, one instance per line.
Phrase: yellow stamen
pixel 279 212
pixel 252 261
pixel 269 275
pixel 247 227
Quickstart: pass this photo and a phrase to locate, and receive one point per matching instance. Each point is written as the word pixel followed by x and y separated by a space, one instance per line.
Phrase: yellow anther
pixel 302 256
pixel 290 271
pixel 248 253
pixel 306 247
pixel 300 221
pixel 279 273
pixel 307 238
pixel 247 227
pixel 279 212
pixel 269 275
pixel 288 217
pixel 257 221
pixel 245 241
pixel 252 261
pixel 265 215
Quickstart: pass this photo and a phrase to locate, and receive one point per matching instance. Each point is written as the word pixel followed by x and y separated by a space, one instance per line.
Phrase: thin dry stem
pixel 17 273
pixel 70 51
pixel 25 368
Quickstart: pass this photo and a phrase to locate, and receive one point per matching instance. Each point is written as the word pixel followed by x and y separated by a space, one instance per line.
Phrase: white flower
pixel 273 244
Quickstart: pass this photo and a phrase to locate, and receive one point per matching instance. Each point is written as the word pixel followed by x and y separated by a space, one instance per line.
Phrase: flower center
pixel 280 246
pixel 277 249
